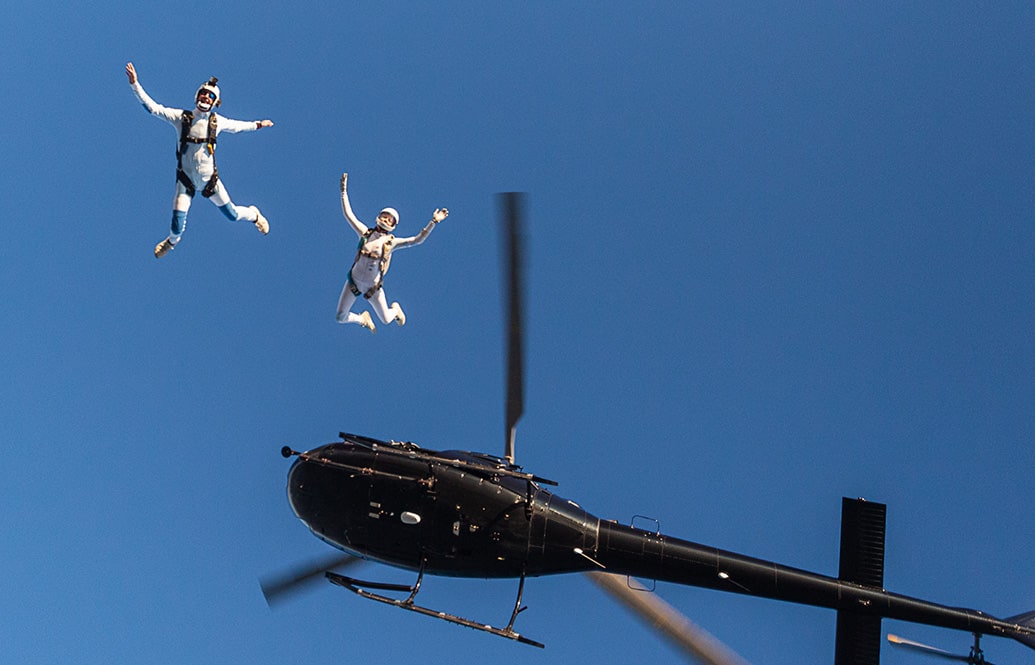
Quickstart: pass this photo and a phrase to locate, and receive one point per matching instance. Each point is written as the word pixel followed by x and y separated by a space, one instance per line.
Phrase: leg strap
pixel 210 186
pixel 185 181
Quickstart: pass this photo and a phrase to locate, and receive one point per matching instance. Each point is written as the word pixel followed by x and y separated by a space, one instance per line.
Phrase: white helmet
pixel 207 97
pixel 388 224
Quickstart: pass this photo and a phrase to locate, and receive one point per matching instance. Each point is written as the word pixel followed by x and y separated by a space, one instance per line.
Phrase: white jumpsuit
pixel 197 162
pixel 370 267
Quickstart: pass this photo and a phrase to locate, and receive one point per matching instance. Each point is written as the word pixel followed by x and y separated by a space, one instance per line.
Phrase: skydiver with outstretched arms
pixel 195 155
pixel 366 275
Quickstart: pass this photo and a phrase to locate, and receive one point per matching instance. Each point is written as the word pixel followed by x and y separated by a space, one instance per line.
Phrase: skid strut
pixel 360 588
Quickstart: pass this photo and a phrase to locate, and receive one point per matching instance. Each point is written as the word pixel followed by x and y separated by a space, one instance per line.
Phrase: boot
pixel 367 322
pixel 163 248
pixel 261 222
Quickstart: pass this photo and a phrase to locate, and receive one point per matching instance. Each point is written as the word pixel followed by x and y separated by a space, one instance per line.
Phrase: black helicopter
pixel 471 514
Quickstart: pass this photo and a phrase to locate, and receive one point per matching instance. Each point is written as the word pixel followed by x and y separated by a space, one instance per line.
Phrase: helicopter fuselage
pixel 465 514
pixel 457 513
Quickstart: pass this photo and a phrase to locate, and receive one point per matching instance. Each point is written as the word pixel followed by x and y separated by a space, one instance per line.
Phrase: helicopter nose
pixel 300 495
pixel 326 493
pixel 316 492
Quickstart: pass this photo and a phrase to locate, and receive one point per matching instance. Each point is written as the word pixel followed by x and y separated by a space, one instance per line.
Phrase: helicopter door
pixel 396 511
pixel 459 531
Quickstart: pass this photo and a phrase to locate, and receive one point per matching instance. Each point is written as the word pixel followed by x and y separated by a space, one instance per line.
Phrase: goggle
pixel 208 94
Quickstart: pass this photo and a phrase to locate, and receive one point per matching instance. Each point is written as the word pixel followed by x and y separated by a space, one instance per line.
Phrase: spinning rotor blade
pixel 511 207
pixel 694 641
pixel 680 631
pixel 276 589
pixel 929 650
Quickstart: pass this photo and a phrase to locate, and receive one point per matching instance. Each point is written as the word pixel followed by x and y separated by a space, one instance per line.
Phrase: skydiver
pixel 195 159
pixel 373 256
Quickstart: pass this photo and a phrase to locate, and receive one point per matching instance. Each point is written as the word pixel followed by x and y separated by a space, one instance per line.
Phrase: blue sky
pixel 777 256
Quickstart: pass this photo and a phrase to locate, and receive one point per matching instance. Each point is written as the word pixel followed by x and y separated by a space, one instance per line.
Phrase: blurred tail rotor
pixel 976 657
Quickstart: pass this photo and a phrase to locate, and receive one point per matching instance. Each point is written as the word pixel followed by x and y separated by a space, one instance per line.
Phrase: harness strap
pixel 212 134
pixel 210 186
pixel 355 289
pixel 185 123
pixel 185 181
pixel 381 265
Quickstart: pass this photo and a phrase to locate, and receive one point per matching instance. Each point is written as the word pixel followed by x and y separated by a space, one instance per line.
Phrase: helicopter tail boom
pixel 862 606
pixel 1027 620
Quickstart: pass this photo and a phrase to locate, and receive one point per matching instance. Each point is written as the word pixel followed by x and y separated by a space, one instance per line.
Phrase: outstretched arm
pixel 154 108
pixel 438 216
pixel 235 126
pixel 346 208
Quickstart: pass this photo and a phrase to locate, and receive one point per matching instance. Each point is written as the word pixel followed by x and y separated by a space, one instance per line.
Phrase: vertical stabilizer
pixel 862 562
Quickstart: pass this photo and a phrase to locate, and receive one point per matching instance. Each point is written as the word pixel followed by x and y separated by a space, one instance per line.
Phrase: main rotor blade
pixel 512 205
pixel 923 648
pixel 277 589
pixel 693 640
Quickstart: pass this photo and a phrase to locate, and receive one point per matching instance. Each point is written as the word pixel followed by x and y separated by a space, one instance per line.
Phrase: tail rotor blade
pixel 923 648
pixel 278 588
pixel 511 206
pixel 693 640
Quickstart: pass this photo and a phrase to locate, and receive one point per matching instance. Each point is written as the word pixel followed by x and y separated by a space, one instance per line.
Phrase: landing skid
pixel 360 588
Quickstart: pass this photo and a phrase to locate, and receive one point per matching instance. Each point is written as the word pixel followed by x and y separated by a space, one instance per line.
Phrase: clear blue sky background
pixel 778 256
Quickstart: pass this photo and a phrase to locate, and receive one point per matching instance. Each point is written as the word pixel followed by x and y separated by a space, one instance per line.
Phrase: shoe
pixel 163 248
pixel 400 316
pixel 367 322
pixel 261 222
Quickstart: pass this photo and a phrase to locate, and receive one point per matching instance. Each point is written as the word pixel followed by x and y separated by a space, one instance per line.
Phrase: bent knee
pixel 230 210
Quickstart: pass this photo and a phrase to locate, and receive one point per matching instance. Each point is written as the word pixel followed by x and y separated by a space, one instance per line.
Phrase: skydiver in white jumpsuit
pixel 372 259
pixel 196 167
